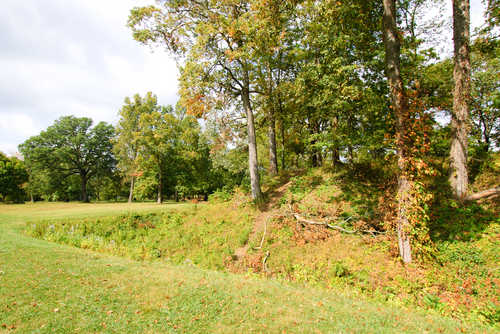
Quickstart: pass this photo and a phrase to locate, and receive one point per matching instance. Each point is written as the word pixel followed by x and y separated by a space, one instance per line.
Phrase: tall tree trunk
pixel 282 130
pixel 98 188
pixel 336 147
pixel 392 49
pixel 319 153
pixel 316 157
pixel 160 186
pixel 335 157
pixel 252 143
pixel 83 178
pixel 273 158
pixel 131 195
pixel 319 157
pixel 350 157
pixel 459 178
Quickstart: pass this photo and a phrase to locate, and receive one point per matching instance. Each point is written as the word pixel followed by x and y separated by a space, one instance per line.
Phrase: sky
pixel 60 58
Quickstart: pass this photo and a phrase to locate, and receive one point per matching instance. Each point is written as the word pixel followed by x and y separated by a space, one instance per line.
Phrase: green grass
pixel 194 235
pixel 77 210
pixel 47 287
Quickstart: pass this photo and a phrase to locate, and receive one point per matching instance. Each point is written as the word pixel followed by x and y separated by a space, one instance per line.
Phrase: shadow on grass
pixel 365 185
pixel 451 220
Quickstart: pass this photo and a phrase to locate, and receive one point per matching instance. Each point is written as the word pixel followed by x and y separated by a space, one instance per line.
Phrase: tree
pixel 339 87
pixel 13 176
pixel 458 174
pixel 124 145
pixel 398 105
pixel 215 40
pixel 485 94
pixel 493 13
pixel 153 137
pixel 71 147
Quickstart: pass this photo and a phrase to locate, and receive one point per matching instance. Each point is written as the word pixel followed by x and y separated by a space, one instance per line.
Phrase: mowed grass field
pixel 52 288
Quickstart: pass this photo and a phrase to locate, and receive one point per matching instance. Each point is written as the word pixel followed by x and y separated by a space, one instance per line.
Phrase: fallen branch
pixel 265 229
pixel 482 194
pixel 264 264
pixel 312 222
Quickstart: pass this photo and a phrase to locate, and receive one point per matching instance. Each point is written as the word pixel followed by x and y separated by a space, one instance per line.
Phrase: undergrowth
pixel 188 237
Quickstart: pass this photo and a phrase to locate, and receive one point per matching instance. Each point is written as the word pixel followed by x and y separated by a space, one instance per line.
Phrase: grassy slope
pixel 460 279
pixel 47 287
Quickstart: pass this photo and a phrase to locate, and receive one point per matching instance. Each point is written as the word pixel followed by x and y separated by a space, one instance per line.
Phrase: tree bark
pixel 336 147
pixel 336 157
pixel 252 143
pixel 392 48
pixel 482 194
pixel 131 195
pixel 160 187
pixel 83 178
pixel 282 129
pixel 458 174
pixel 98 189
pixel 273 158
pixel 314 129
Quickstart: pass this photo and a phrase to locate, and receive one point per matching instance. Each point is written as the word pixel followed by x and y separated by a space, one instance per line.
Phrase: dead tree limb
pixel 301 219
pixel 265 229
pixel 264 264
pixel 482 194
pixel 312 222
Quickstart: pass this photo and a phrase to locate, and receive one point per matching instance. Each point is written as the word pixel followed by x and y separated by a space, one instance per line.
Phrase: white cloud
pixel 17 124
pixel 63 58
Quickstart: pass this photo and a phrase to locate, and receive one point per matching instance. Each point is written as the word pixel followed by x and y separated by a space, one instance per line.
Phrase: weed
pixel 220 196
pixel 340 269
pixel 463 252
pixel 433 302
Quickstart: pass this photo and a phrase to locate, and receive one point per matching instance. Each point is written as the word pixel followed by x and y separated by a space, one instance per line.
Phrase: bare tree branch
pixel 482 194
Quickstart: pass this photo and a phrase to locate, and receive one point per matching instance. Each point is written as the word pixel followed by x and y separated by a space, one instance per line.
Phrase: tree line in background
pixel 153 152
pixel 290 84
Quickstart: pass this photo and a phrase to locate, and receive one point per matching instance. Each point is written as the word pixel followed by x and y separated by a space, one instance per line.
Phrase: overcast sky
pixel 60 58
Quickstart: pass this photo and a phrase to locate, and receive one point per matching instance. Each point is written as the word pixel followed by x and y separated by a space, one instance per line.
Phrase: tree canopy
pixel 13 176
pixel 71 146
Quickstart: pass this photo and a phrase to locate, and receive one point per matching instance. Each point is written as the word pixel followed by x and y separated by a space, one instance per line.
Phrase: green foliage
pixel 453 221
pixel 433 302
pixel 13 176
pixel 463 252
pixel 492 313
pixel 485 96
pixel 149 236
pixel 418 215
pixel 124 144
pixel 220 196
pixel 71 146
pixel 340 269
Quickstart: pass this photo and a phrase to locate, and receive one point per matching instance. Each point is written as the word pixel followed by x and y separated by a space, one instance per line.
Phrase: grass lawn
pixel 46 287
